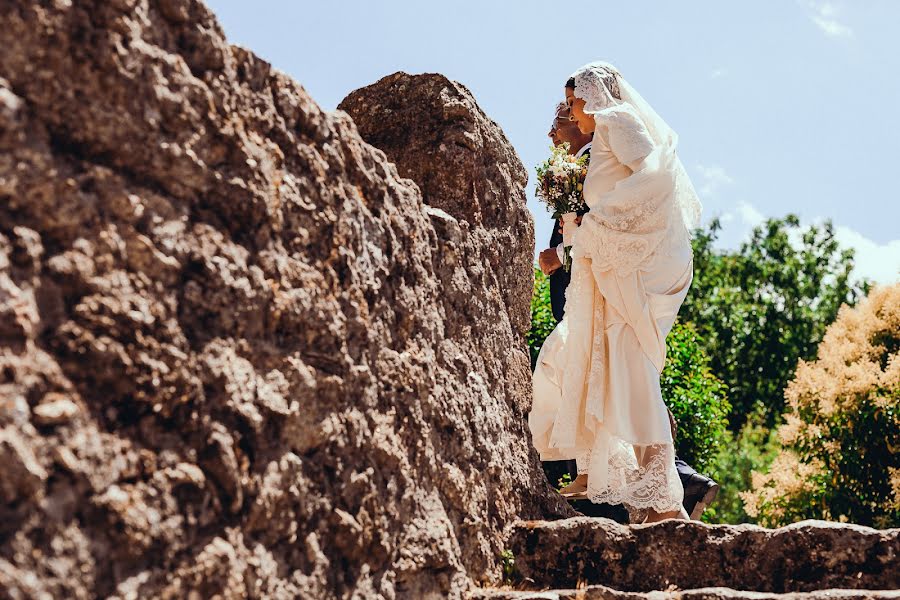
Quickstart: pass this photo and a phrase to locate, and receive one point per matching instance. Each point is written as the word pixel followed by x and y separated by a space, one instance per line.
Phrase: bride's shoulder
pixel 619 116
pixel 623 130
pixel 622 120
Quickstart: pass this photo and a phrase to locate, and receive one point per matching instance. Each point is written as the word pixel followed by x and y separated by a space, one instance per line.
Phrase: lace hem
pixel 638 477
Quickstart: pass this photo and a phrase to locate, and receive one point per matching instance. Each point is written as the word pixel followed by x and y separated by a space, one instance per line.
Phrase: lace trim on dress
pixel 639 484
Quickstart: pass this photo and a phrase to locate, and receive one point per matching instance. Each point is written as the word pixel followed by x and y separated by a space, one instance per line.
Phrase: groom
pixel 550 260
pixel 699 491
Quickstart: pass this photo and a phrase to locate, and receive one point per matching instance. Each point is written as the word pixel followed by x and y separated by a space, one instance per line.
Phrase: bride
pixel 596 384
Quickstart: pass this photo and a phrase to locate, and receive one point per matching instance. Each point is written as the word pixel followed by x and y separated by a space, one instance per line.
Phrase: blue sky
pixel 781 105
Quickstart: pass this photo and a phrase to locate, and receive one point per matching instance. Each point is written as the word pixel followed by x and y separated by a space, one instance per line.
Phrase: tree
pixel 764 307
pixel 753 448
pixel 841 456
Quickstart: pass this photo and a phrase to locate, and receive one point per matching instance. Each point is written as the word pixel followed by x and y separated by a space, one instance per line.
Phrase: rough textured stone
pixel 55 409
pixel 805 556
pixel 23 476
pixel 433 130
pixel 245 355
pixel 599 592
pixel 239 354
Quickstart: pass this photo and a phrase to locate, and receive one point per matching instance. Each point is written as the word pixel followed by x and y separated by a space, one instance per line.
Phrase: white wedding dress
pixel 597 393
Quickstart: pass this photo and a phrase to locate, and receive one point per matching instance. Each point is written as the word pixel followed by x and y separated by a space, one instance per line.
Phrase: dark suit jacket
pixel 559 279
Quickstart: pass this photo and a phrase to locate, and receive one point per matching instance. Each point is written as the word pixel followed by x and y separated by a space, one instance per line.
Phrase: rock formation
pixel 433 130
pixel 240 354
pixel 601 592
pixel 810 556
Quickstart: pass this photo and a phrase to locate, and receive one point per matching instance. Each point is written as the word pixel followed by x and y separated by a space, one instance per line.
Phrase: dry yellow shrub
pixel 841 430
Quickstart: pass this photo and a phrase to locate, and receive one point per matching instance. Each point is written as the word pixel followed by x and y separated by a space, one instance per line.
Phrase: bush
pixel 695 396
pixel 542 321
pixel 752 449
pixel 841 457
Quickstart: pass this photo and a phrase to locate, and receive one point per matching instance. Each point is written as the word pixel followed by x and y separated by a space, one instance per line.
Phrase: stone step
pixel 601 592
pixel 690 555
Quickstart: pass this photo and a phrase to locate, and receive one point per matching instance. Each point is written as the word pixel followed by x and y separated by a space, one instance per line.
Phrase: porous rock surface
pixel 601 592
pixel 817 557
pixel 240 354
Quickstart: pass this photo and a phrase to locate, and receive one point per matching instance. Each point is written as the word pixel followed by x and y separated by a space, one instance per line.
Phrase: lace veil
pixel 604 90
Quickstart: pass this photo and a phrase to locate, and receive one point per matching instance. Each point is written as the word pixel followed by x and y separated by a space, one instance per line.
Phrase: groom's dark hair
pixel 570 83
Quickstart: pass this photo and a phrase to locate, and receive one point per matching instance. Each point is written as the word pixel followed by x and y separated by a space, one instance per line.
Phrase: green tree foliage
pixel 752 449
pixel 542 321
pixel 762 308
pixel 695 396
pixel 841 431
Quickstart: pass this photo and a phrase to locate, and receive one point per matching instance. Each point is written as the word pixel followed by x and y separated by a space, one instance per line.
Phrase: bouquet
pixel 560 183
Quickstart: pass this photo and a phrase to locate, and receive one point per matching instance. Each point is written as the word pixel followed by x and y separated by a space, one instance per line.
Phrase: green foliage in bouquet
pixel 560 185
pixel 560 181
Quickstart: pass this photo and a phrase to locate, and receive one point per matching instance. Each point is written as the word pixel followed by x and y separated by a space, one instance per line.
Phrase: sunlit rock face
pixel 241 351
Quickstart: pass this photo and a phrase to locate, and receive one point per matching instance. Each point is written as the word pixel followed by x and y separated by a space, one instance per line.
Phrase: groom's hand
pixel 673 424
pixel 548 261
pixel 577 222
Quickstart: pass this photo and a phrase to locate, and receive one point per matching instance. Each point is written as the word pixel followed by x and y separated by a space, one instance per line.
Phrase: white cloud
pixel 824 15
pixel 871 260
pixel 878 262
pixel 714 177
pixel 750 215
pixel 717 73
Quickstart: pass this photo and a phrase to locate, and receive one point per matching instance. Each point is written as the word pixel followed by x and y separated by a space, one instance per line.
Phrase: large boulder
pixel 434 131
pixel 239 353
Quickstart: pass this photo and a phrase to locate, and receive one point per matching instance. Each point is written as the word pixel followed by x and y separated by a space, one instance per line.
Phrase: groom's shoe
pixel 699 492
